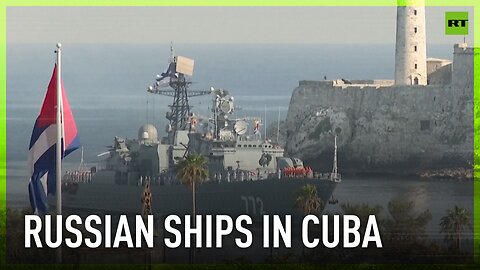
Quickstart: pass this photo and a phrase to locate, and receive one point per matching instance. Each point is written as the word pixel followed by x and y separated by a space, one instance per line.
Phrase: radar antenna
pixel 179 67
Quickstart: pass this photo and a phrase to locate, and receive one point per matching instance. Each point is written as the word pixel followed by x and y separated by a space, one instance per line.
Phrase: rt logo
pixel 456 23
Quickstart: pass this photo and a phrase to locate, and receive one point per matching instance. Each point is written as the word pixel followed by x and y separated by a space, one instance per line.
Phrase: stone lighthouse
pixel 410 49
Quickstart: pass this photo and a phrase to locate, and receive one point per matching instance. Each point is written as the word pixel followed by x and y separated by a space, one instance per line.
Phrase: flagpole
pixel 58 174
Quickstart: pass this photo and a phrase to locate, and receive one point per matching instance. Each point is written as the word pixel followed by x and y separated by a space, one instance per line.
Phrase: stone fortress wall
pixel 387 127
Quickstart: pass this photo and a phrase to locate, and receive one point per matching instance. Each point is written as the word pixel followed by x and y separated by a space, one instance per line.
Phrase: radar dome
pixel 148 133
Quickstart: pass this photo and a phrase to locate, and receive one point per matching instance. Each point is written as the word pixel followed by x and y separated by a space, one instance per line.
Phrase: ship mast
pixel 278 125
pixel 176 73
pixel 81 166
pixel 334 175
pixel 172 54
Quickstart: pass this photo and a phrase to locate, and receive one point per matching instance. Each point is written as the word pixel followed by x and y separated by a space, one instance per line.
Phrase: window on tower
pixel 415 48
pixel 414 12
pixel 415 29
pixel 415 66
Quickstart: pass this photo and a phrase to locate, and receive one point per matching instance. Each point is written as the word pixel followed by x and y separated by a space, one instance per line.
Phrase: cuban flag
pixel 41 157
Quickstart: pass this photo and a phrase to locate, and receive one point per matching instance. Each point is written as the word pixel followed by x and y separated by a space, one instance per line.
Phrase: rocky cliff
pixel 382 127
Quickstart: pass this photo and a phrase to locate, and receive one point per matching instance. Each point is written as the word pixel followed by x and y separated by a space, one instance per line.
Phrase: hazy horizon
pixel 218 25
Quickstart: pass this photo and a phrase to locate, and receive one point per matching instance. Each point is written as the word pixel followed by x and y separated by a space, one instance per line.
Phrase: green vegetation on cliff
pixel 323 126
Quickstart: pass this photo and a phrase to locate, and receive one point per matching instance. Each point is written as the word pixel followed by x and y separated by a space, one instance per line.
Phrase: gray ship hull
pixel 255 198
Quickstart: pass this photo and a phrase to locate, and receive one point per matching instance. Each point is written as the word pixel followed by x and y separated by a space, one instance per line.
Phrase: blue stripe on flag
pixel 36 132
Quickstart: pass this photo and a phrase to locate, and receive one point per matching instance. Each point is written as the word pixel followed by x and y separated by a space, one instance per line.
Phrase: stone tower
pixel 411 49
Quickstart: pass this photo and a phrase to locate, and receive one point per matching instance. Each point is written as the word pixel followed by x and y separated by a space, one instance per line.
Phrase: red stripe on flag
pixel 48 114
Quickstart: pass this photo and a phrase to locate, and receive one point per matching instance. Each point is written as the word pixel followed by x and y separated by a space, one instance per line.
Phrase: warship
pixel 248 174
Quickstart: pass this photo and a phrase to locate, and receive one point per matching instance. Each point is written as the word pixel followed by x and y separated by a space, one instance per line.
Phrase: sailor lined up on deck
pixel 142 180
pixel 78 176
pixel 293 172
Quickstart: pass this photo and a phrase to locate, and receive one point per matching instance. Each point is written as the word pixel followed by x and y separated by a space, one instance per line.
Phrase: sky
pixel 222 25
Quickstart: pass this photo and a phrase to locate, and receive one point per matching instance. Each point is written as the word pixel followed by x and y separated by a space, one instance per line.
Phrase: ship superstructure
pixel 247 173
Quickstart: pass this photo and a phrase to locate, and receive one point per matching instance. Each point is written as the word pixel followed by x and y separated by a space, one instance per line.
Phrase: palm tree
pixel 192 170
pixel 454 223
pixel 308 201
pixel 407 224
